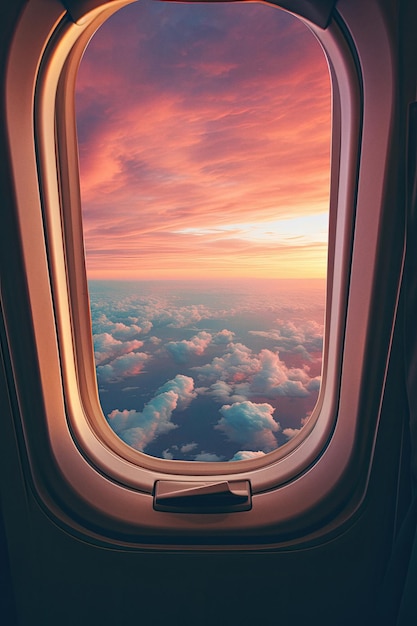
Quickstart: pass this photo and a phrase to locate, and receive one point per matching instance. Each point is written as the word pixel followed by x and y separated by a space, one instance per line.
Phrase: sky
pixel 204 133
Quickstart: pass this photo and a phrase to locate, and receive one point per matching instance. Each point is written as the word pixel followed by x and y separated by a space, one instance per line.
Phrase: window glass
pixel 204 133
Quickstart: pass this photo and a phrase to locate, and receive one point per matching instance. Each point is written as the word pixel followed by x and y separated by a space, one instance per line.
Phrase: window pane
pixel 204 134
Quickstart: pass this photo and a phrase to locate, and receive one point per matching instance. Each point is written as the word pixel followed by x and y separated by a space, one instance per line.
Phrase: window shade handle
pixel 202 497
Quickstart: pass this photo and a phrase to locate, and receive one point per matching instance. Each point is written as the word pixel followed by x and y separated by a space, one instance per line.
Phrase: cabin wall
pixel 58 578
pixel 52 576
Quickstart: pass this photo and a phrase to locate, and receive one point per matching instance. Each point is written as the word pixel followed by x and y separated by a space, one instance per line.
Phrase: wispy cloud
pixel 194 121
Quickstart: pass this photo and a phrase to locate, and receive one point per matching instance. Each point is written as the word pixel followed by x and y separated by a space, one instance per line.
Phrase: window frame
pixel 82 473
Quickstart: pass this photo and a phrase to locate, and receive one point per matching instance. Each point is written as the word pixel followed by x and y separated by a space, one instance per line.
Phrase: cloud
pixel 314 384
pixel 183 387
pixel 274 378
pixel 122 367
pixel 223 337
pixel 182 350
pixel 241 374
pixel 128 317
pixel 119 330
pixel 302 336
pixel 140 312
pixel 179 317
pixel 244 455
pixel 249 424
pixel 291 432
pixel 138 429
pixel 238 374
pixel 197 345
pixel 107 348
pixel 221 391
pixel 236 363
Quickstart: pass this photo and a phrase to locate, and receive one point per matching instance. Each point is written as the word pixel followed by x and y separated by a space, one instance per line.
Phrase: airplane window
pixel 205 174
pixel 204 141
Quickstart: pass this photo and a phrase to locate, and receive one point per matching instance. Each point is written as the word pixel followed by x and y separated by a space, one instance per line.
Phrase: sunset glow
pixel 204 136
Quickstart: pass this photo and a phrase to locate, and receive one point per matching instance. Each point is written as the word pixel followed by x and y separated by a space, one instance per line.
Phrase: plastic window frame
pixel 104 486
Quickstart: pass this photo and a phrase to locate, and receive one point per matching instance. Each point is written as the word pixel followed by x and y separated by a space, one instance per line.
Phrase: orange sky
pixel 204 144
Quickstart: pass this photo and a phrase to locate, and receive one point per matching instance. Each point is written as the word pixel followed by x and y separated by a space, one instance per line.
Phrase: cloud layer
pixel 167 349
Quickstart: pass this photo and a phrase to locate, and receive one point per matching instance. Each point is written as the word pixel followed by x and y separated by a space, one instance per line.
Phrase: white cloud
pixel 240 374
pixel 290 432
pixel 300 336
pixel 155 340
pixel 120 330
pixel 181 350
pixel 237 376
pixel 222 392
pixel 122 367
pixel 183 387
pixel 314 384
pixel 249 424
pixel 273 335
pixel 244 455
pixel 223 337
pixel 107 348
pixel 273 378
pixel 187 315
pixel 235 363
pixel 138 429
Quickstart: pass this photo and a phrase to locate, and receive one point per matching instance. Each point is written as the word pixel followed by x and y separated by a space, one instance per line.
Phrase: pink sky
pixel 204 137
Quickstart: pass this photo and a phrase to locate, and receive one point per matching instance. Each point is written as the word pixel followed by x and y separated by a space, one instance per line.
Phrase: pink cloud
pixel 107 348
pixel 181 350
pixel 241 374
pixel 122 367
pixel 244 455
pixel 187 128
